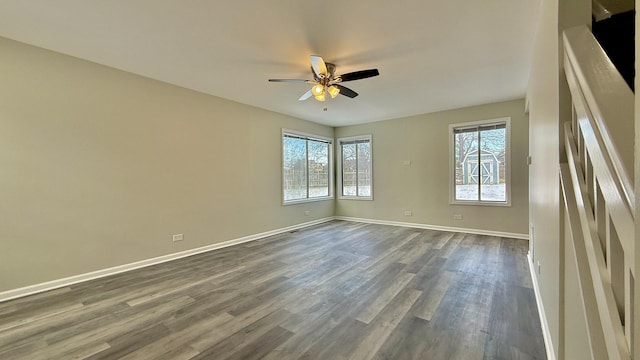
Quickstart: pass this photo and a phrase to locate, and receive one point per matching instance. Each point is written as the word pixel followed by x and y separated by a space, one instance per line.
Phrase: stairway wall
pixel 549 106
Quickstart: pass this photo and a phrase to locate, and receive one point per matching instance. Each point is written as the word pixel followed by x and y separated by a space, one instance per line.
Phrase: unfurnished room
pixel 317 180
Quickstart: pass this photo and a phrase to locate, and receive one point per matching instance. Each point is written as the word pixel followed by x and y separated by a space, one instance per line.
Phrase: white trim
pixel 436 227
pixel 605 104
pixel 479 203
pixel 507 159
pixel 546 333
pixel 339 167
pixel 54 284
pixel 357 198
pixel 355 138
pixel 307 135
pixel 308 200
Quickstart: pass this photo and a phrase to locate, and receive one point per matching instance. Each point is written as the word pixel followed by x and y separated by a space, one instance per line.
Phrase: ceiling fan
pixel 326 82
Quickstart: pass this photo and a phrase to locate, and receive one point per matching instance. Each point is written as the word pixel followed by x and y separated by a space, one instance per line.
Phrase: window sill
pixel 481 203
pixel 302 201
pixel 361 198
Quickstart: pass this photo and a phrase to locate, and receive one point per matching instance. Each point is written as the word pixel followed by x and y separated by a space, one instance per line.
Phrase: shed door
pixel 486 169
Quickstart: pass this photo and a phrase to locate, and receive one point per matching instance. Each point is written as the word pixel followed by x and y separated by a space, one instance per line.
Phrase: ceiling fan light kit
pixel 333 91
pixel 325 81
pixel 319 91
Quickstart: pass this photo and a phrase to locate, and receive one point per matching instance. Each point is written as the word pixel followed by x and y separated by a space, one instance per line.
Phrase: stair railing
pixel 598 192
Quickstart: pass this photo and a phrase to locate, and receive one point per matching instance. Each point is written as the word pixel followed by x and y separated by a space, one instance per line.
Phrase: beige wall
pixel 544 210
pixel 99 168
pixel 423 186
pixel 549 107
pixel 635 341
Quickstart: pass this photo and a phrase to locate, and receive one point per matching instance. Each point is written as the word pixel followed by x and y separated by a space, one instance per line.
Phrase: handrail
pixel 613 331
pixel 585 281
pixel 615 185
pixel 608 99
pixel 604 9
pixel 598 191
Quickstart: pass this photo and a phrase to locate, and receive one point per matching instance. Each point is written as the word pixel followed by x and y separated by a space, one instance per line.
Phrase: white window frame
pixel 339 167
pixel 307 136
pixel 452 165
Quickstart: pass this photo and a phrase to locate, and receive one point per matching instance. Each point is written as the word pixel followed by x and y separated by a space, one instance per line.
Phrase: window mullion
pixel 357 172
pixel 342 169
pixel 307 168
pixel 479 166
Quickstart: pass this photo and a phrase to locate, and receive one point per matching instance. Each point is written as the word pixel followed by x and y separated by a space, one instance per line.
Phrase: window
pixel 306 167
pixel 354 172
pixel 480 162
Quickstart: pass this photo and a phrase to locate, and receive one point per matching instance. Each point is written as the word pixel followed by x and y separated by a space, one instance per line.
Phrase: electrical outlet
pixel 457 216
pixel 538 267
pixel 406 162
pixel 178 237
pixel 408 213
pixel 306 213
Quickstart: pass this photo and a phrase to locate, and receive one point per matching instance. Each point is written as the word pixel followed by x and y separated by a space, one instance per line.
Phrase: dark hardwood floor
pixel 338 290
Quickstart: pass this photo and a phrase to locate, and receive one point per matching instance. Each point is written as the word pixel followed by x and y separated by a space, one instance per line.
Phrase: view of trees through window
pixel 480 162
pixel 356 167
pixel 305 168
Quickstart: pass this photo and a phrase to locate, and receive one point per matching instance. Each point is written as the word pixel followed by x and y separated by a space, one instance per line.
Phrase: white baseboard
pixel 548 343
pixel 436 227
pixel 55 284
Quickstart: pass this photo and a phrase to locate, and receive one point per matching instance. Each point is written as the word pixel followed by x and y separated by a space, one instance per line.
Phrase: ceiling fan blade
pixel 318 65
pixel 346 91
pixel 306 95
pixel 289 80
pixel 357 75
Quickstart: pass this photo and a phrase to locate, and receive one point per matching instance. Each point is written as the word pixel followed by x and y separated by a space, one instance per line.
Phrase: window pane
pixel 466 165
pixel 349 169
pixel 294 168
pixel 492 169
pixel 318 169
pixel 364 169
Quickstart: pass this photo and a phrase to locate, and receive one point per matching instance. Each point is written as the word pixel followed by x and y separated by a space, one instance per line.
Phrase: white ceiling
pixel 432 55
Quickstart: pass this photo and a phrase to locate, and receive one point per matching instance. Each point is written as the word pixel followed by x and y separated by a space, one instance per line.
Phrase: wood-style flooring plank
pixel 337 290
pixel 382 328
